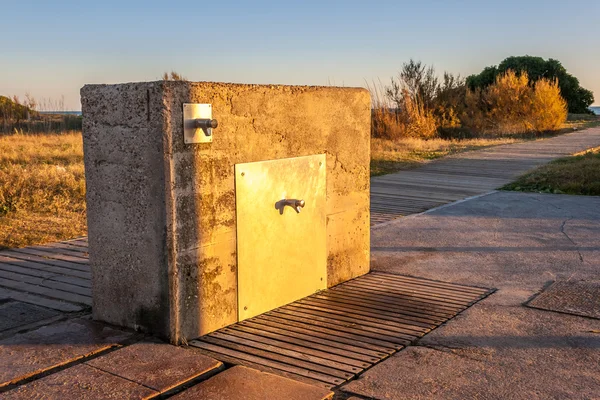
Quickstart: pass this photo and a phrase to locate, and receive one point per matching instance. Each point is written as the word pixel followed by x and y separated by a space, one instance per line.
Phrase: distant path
pixel 468 174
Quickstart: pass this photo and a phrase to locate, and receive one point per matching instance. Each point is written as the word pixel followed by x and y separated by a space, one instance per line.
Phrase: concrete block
pixel 161 213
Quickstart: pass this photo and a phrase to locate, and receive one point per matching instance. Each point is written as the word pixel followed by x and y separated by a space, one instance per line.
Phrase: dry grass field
pixel 42 188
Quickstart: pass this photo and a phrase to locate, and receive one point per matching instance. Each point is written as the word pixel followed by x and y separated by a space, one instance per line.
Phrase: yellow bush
pixel 511 105
pixel 549 109
pixel 411 121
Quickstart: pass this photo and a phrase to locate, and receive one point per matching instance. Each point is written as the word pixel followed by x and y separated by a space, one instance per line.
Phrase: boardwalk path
pixel 58 276
pixel 467 174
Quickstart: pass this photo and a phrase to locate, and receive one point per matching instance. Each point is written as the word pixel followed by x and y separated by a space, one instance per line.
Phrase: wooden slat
pixel 78 243
pixel 284 348
pixel 381 302
pixel 84 283
pixel 339 332
pixel 44 260
pixel 312 370
pixel 432 293
pixel 382 310
pixel 359 340
pixel 248 360
pixel 372 335
pixel 423 300
pixel 57 275
pixel 45 291
pixel 47 283
pixel 342 314
pixel 26 297
pixel 51 255
pixel 272 324
pixel 57 249
pixel 45 267
pixel 332 346
pixel 83 251
pixel 295 343
pixel 418 304
pixel 366 312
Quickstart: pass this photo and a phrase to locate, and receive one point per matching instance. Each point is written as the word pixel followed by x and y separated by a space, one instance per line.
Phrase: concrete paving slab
pixel 578 298
pixel 249 384
pixel 14 314
pixel 498 348
pixel 494 352
pixel 158 366
pixel 80 382
pixel 28 354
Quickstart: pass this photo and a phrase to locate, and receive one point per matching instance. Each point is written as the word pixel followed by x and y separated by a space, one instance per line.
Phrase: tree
pixel 11 110
pixel 413 93
pixel 578 98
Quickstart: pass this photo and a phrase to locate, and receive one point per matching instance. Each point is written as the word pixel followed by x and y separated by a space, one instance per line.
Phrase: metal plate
pixel 282 254
pixel 191 112
pixel 570 297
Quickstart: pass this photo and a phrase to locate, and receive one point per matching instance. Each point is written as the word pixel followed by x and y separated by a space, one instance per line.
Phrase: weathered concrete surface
pixel 15 314
pixel 161 214
pixel 242 383
pixel 25 355
pixel 124 163
pixel 498 348
pixel 158 366
pixel 80 382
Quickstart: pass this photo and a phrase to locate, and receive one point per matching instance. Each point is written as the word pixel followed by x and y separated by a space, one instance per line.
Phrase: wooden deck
pixel 330 337
pixel 467 174
pixel 56 275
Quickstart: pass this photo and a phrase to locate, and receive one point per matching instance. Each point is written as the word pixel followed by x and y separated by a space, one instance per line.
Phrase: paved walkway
pixel 468 174
pixel 499 348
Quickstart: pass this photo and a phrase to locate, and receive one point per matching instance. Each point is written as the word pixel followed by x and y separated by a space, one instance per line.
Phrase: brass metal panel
pixel 282 253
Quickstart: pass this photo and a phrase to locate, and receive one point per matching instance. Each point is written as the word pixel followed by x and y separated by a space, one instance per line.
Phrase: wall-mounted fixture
pixel 198 123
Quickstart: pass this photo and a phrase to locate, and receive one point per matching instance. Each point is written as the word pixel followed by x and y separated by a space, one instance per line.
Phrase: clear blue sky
pixel 52 48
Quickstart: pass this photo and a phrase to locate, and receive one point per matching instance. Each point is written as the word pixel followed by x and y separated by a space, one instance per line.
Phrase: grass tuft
pixel 578 175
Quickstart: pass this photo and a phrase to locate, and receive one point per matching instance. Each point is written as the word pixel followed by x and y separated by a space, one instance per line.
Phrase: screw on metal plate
pixel 198 123
pixel 295 204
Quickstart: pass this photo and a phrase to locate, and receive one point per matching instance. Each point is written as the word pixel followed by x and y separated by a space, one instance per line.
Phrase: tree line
pixel 520 95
